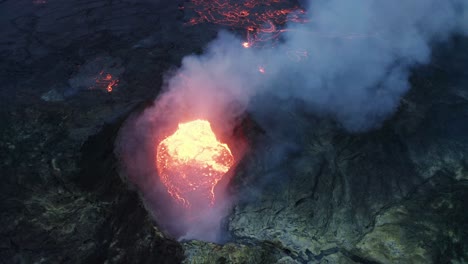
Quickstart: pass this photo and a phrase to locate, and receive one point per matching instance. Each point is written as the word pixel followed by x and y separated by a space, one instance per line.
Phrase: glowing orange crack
pixel 192 161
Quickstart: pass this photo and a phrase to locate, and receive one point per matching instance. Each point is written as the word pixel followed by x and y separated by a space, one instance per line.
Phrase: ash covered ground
pixel 394 194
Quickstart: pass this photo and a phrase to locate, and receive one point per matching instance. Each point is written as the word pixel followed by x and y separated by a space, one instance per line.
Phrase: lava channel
pixel 191 162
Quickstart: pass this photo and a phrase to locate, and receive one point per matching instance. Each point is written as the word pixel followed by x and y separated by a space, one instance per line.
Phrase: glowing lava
pixel 191 162
pixel 107 81
pixel 262 20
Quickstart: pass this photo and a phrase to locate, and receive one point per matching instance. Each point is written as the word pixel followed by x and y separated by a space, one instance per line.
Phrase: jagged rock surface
pixel 394 195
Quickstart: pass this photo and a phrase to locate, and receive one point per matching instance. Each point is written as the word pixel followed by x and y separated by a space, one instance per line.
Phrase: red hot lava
pixel 107 80
pixel 191 162
pixel 261 19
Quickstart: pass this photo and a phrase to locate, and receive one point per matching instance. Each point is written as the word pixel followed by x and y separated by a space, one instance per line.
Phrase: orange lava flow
pixel 262 20
pixel 107 80
pixel 191 162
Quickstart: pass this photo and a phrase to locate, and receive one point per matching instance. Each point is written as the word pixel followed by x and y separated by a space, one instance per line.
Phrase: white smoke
pixel 360 54
pixel 359 57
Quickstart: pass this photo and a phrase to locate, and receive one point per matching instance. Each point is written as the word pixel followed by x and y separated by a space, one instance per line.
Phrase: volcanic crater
pixel 82 83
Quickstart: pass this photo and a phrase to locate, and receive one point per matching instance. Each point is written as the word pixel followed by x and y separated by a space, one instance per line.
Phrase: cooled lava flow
pixel 191 162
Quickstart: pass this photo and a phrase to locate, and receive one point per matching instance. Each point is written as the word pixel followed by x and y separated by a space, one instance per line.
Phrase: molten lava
pixel 191 162
pixel 106 80
pixel 262 20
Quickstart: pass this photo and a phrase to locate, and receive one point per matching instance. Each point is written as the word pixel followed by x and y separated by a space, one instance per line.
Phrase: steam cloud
pixel 359 57
pixel 360 53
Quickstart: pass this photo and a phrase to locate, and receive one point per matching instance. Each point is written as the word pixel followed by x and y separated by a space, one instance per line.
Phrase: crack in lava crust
pixel 191 162
pixel 259 18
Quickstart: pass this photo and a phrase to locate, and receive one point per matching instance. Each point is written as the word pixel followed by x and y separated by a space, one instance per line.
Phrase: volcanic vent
pixel 191 162
pixel 182 164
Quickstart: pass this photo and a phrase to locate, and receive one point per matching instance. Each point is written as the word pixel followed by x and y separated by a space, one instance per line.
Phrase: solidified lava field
pixel 73 73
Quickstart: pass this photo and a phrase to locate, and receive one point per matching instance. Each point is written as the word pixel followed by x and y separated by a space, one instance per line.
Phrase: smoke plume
pixel 359 57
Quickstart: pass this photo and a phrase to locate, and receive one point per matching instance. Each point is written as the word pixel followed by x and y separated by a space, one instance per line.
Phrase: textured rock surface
pixel 62 200
pixel 394 195
pixel 428 226
pixel 398 194
pixel 201 252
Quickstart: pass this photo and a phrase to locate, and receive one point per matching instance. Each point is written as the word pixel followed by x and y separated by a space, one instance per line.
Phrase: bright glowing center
pixel 191 162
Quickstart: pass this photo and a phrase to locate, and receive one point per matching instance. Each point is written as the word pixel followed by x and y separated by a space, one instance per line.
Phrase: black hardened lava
pixel 128 231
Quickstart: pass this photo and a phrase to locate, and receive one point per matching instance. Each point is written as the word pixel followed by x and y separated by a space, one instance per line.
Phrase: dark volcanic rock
pixel 397 194
pixel 61 198
pixel 61 215
pixel 393 195
pixel 127 234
